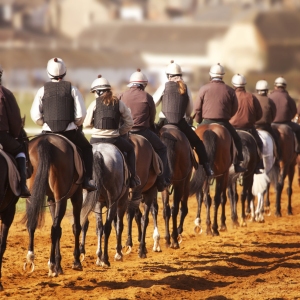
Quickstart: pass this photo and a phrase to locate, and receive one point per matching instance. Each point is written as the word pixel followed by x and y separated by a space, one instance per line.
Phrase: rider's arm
pixel 79 106
pixel 126 117
pixel 89 119
pixel 36 111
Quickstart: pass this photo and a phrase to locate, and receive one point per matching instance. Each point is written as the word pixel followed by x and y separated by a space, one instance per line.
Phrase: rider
pixel 217 103
pixel 286 107
pixel 249 111
pixel 143 112
pixel 59 107
pixel 268 110
pixel 177 106
pixel 104 115
pixel 10 128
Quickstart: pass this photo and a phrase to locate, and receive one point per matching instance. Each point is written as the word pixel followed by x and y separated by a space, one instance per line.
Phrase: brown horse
pixel 54 175
pixel 148 175
pixel 8 201
pixel 286 167
pixel 181 165
pixel 217 142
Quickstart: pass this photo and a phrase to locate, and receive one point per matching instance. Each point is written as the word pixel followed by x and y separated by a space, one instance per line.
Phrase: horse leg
pixel 233 198
pixel 167 216
pixel 76 200
pixel 217 202
pixel 178 192
pixel 289 189
pixel 208 202
pixel 156 235
pixel 279 189
pixel 197 222
pixel 144 223
pixel 111 213
pixel 84 230
pixel 56 232
pixel 184 208
pixel 119 225
pixel 138 219
pixel 267 204
pixel 223 199
pixel 99 231
pixel 6 220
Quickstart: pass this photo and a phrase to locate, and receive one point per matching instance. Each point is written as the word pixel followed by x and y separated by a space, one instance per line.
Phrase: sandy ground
pixel 260 261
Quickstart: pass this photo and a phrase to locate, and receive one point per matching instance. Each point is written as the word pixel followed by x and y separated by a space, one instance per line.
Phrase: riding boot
pixel 208 170
pixel 134 180
pixel 202 157
pixel 88 184
pixel 21 162
pixel 259 167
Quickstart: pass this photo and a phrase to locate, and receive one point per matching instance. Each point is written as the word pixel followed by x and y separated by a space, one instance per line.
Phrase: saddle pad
pixel 13 174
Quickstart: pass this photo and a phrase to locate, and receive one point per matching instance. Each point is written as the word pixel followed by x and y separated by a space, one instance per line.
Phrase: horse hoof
pixel 198 229
pixel 223 228
pixel 244 224
pixel 31 266
pixel 52 274
pixel 118 257
pixel 142 255
pixel 76 266
pixel 127 250
pixel 179 239
pixel 157 249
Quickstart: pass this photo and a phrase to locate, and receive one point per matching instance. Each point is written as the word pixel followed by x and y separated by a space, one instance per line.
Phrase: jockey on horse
pixel 10 128
pixel 217 103
pixel 103 116
pixel 249 111
pixel 177 106
pixel 268 111
pixel 143 112
pixel 286 108
pixel 59 108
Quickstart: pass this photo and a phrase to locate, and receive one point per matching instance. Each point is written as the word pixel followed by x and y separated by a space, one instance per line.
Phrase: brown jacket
pixel 285 105
pixel 249 110
pixel 215 100
pixel 10 116
pixel 268 110
pixel 142 107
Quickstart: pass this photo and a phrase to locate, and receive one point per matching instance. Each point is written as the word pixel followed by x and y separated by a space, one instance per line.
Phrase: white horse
pixel 261 181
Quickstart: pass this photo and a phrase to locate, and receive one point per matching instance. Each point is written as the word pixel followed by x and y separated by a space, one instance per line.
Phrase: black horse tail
pixel 35 209
pixel 197 181
pixel 91 198
pixel 170 141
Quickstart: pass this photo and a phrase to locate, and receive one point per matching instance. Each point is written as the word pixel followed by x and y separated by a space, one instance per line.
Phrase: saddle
pixel 78 162
pixel 195 163
pixel 13 173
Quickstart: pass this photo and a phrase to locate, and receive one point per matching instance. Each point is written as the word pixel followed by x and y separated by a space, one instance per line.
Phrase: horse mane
pixel 91 198
pixel 35 212
pixel 170 142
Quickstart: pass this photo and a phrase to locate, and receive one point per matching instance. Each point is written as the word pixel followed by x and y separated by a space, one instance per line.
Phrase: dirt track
pixel 260 261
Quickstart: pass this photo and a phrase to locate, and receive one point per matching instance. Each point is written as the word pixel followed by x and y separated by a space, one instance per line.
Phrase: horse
pixel 55 176
pixel 286 167
pixel 262 181
pixel 250 161
pixel 111 177
pixel 8 201
pixel 148 175
pixel 218 143
pixel 180 160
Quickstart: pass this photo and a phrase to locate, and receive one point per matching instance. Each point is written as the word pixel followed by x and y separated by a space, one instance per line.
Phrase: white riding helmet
pixel 100 84
pixel 56 68
pixel 138 77
pixel 173 69
pixel 280 81
pixel 216 71
pixel 238 80
pixel 262 85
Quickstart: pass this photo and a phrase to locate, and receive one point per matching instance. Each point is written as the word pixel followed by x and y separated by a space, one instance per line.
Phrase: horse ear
pixel 23 121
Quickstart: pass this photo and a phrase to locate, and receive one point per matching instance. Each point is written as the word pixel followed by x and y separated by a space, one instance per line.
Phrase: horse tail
pixel 170 141
pixel 197 181
pixel 210 142
pixel 274 173
pixel 34 216
pixel 91 198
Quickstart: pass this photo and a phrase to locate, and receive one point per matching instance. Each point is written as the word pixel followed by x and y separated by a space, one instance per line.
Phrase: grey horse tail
pixel 170 141
pixel 34 216
pixel 91 199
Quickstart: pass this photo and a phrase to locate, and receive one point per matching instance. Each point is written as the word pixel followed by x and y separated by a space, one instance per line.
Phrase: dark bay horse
pixel 181 165
pixel 55 176
pixel 110 176
pixel 8 201
pixel 148 175
pixel 251 159
pixel 217 142
pixel 286 167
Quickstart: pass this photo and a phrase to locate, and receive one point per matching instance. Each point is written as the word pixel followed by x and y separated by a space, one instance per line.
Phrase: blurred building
pixel 114 37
